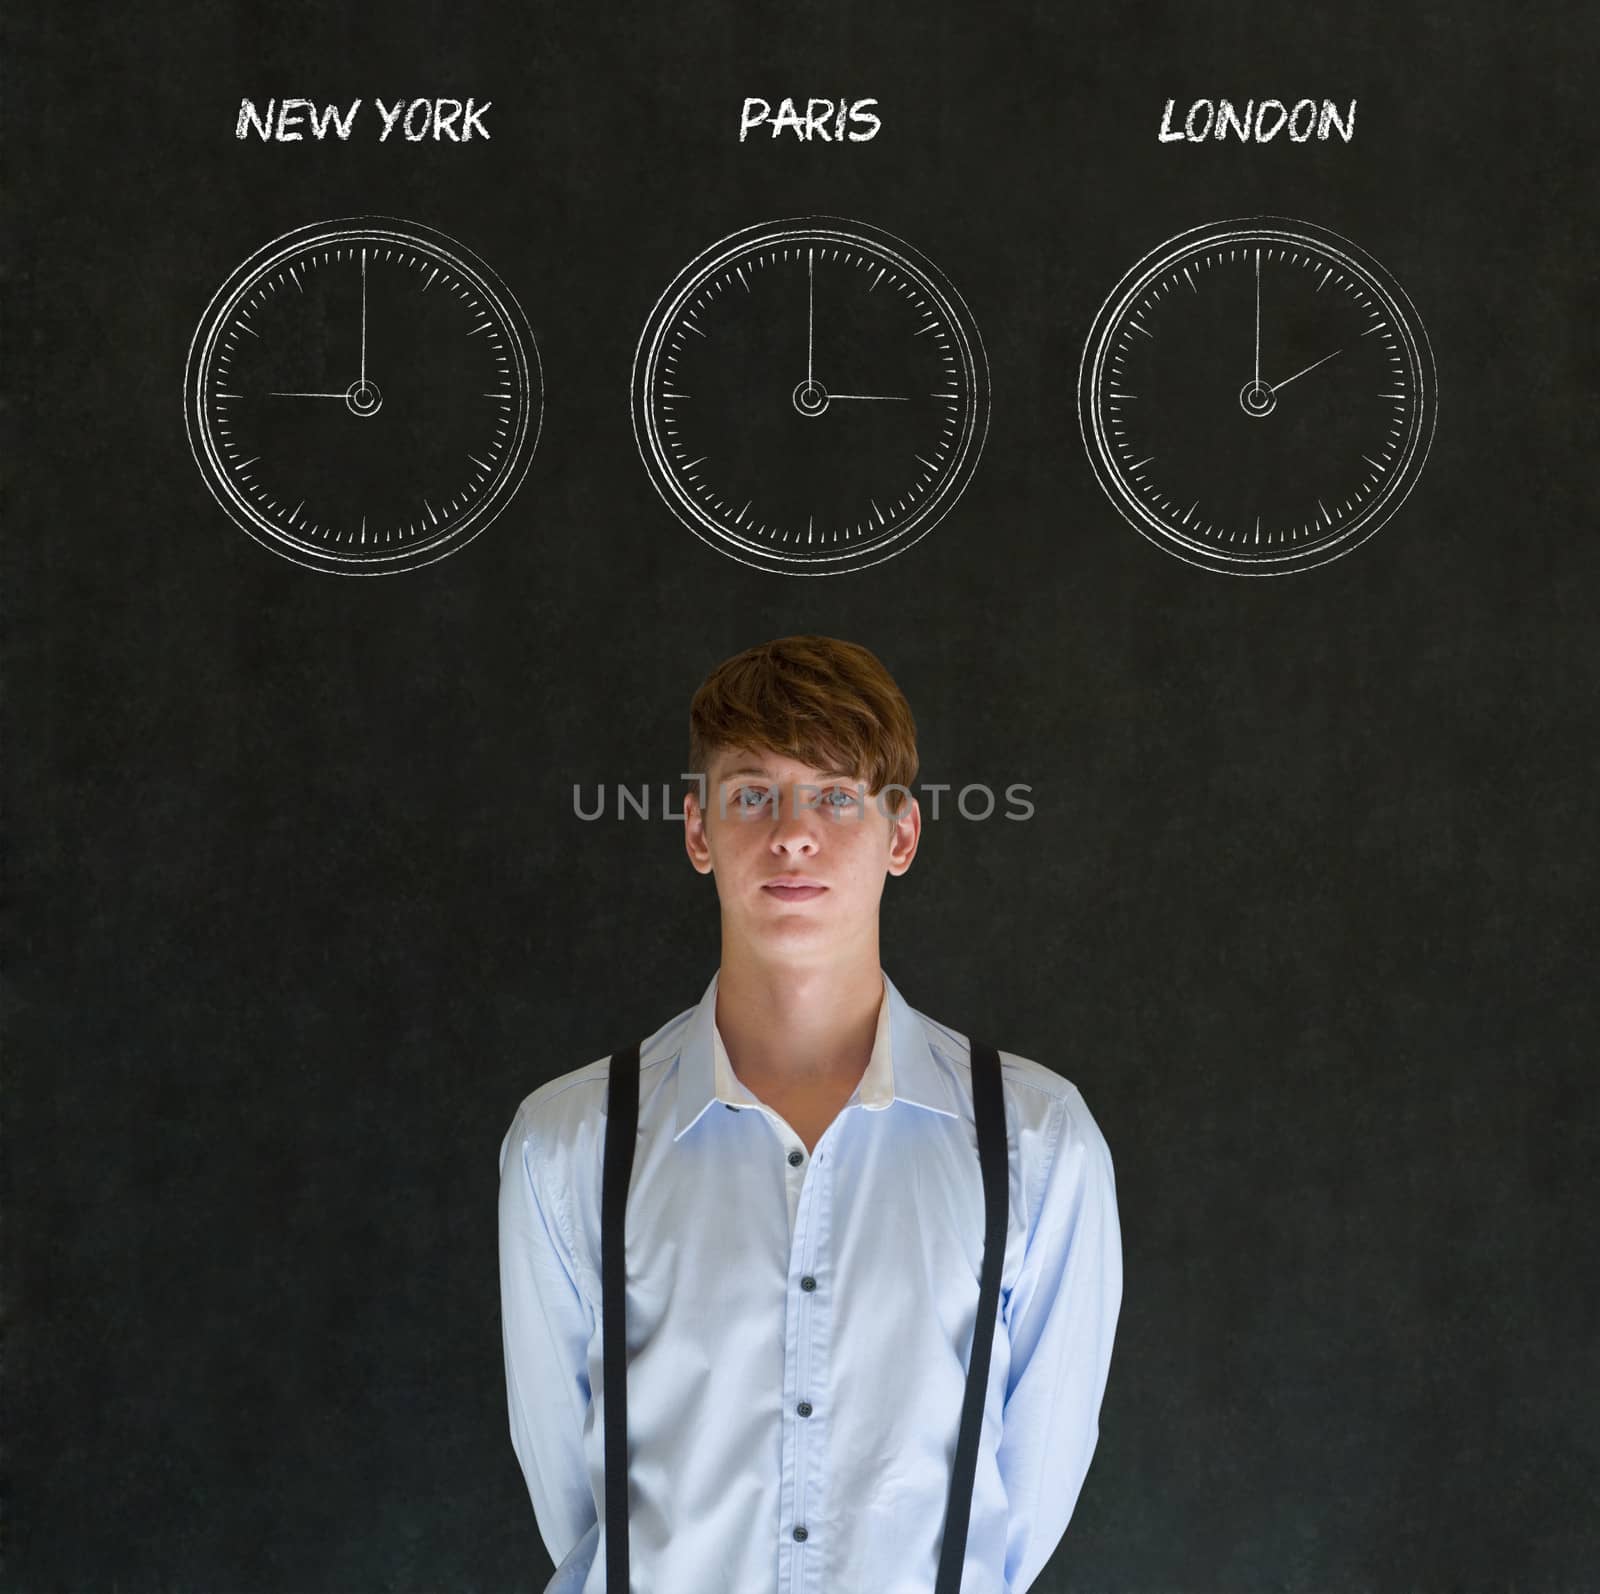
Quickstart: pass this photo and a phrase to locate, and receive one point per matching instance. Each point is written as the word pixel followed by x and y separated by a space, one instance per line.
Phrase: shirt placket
pixel 807 1315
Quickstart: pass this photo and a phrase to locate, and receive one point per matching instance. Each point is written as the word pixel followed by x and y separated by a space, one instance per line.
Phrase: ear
pixel 695 841
pixel 905 830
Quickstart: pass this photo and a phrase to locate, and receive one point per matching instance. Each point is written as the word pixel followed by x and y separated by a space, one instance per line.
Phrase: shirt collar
pixel 902 1066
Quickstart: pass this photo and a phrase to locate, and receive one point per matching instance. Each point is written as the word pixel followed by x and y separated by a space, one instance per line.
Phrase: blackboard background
pixel 298 909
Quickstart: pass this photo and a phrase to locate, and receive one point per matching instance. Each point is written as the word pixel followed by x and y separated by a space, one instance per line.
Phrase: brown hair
pixel 825 703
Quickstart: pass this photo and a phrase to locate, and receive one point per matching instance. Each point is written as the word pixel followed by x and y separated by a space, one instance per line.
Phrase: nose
pixel 794 824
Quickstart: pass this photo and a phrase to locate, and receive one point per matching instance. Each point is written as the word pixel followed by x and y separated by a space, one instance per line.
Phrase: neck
pixel 798 1027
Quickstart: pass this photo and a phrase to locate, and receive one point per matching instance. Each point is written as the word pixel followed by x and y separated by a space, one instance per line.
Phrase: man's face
pixel 767 820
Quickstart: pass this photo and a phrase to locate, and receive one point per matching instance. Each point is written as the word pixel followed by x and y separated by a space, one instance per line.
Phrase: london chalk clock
pixel 810 396
pixel 363 396
pixel 1257 396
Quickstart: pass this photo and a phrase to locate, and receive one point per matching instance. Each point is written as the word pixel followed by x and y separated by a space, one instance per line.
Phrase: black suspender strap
pixel 989 1112
pixel 622 1123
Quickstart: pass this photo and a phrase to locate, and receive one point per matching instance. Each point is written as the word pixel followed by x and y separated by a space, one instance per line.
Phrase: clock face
pixel 810 396
pixel 1257 396
pixel 363 396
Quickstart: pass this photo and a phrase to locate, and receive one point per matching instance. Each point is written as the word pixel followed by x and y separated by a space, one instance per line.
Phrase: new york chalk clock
pixel 363 396
pixel 1257 396
pixel 810 396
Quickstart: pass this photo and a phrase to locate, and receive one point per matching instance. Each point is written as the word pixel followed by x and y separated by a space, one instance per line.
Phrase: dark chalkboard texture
pixel 298 907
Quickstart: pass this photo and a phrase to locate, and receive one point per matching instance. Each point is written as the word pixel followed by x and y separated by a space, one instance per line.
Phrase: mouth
pixel 793 890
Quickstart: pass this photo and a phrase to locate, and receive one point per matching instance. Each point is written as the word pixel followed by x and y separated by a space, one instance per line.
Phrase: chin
pixel 786 929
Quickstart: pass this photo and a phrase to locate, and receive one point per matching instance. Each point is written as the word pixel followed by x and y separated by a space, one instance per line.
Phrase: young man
pixel 805 1215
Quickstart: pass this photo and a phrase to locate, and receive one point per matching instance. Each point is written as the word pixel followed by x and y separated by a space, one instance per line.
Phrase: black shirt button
pixel 808 1283
pixel 799 1532
pixel 730 1106
pixel 796 1158
pixel 804 1408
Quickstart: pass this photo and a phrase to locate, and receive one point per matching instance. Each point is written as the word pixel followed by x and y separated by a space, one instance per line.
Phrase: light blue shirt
pixel 799 1327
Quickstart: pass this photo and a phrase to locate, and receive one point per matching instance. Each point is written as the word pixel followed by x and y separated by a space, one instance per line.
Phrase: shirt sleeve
pixel 1061 1317
pixel 546 1326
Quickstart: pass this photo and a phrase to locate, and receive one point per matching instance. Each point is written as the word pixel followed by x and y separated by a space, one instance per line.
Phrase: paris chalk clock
pixel 810 396
pixel 1257 396
pixel 363 396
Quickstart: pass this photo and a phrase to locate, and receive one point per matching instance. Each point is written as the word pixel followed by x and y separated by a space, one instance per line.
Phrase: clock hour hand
pixel 361 398
pixel 1302 371
pixel 889 398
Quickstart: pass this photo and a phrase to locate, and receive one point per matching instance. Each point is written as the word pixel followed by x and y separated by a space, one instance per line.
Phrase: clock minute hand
pixel 1302 371
pixel 888 398
pixel 280 394
pixel 1258 317
pixel 811 312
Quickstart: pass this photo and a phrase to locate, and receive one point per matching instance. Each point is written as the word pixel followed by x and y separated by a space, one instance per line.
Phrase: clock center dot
pixel 1257 399
pixel 810 397
pixel 363 398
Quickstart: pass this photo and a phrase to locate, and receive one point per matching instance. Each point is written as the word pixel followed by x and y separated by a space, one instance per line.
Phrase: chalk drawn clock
pixel 1257 396
pixel 363 396
pixel 810 396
